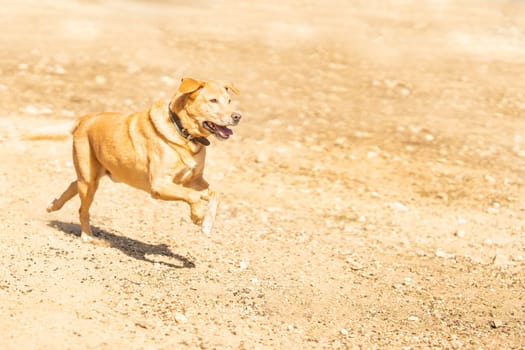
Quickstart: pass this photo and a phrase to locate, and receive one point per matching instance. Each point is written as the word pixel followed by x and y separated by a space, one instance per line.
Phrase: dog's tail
pixel 51 132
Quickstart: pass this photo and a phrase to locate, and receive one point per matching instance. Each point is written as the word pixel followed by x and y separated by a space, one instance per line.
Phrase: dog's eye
pixel 214 100
pixel 230 100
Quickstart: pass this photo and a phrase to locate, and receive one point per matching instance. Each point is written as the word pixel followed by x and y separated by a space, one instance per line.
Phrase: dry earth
pixel 372 197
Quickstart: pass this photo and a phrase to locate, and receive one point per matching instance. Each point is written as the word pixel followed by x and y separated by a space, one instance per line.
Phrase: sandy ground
pixel 372 197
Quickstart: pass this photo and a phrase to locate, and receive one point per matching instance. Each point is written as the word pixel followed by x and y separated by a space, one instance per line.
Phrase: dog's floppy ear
pixel 189 85
pixel 230 87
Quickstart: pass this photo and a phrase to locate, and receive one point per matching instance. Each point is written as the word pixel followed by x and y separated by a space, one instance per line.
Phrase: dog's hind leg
pixel 86 192
pixel 59 202
pixel 89 171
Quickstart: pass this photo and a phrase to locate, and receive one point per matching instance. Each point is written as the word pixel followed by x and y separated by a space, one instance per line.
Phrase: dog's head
pixel 205 107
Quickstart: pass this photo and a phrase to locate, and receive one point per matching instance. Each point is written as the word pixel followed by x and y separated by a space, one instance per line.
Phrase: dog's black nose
pixel 236 117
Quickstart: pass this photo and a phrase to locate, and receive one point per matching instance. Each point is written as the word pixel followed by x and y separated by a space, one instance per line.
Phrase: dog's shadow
pixel 131 247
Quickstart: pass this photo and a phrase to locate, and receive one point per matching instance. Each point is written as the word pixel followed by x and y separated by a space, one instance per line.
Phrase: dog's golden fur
pixel 147 151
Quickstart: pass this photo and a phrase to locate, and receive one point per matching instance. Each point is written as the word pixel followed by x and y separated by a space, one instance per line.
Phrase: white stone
pixel 181 318
pixel 340 140
pixel 496 323
pixel 429 137
pixel 167 80
pixel 100 80
pixel 398 206
pixel 60 70
pixel 444 255
pixel 501 260
pixel 261 158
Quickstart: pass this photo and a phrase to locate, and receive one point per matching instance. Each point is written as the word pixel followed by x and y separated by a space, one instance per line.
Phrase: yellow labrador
pixel 161 150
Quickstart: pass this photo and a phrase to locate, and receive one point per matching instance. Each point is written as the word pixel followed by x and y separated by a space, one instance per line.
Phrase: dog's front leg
pixel 199 184
pixel 166 189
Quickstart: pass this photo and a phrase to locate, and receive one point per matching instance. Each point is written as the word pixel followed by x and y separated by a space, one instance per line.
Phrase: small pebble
pixel 496 323
pixel 340 141
pixel 456 344
pixel 180 318
pixel 490 179
pixel 429 137
pixel 459 233
pixel 141 325
pixel 167 80
pixel 59 70
pixel 261 158
pixel 398 206
pixel 445 255
pixel 517 258
pixel 492 210
pixel 405 91
pixel 501 260
pixel 30 110
pixel 100 80
pixel 420 252
pixel 354 265
pixel 370 227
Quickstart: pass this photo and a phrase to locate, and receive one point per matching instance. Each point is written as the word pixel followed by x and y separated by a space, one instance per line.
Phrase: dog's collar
pixel 184 132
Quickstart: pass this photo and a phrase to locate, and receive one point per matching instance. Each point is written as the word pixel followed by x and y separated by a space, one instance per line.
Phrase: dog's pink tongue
pixel 223 131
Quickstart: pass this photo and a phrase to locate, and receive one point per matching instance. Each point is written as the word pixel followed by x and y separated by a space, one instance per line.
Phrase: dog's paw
pixel 51 206
pixel 94 240
pixel 197 212
pixel 197 219
pixel 209 194
pixel 206 194
pixel 199 196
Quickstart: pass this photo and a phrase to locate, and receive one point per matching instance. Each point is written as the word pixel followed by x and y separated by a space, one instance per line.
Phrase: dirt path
pixel 372 197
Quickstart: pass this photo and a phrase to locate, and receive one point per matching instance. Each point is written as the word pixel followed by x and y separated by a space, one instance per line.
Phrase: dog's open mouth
pixel 217 130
